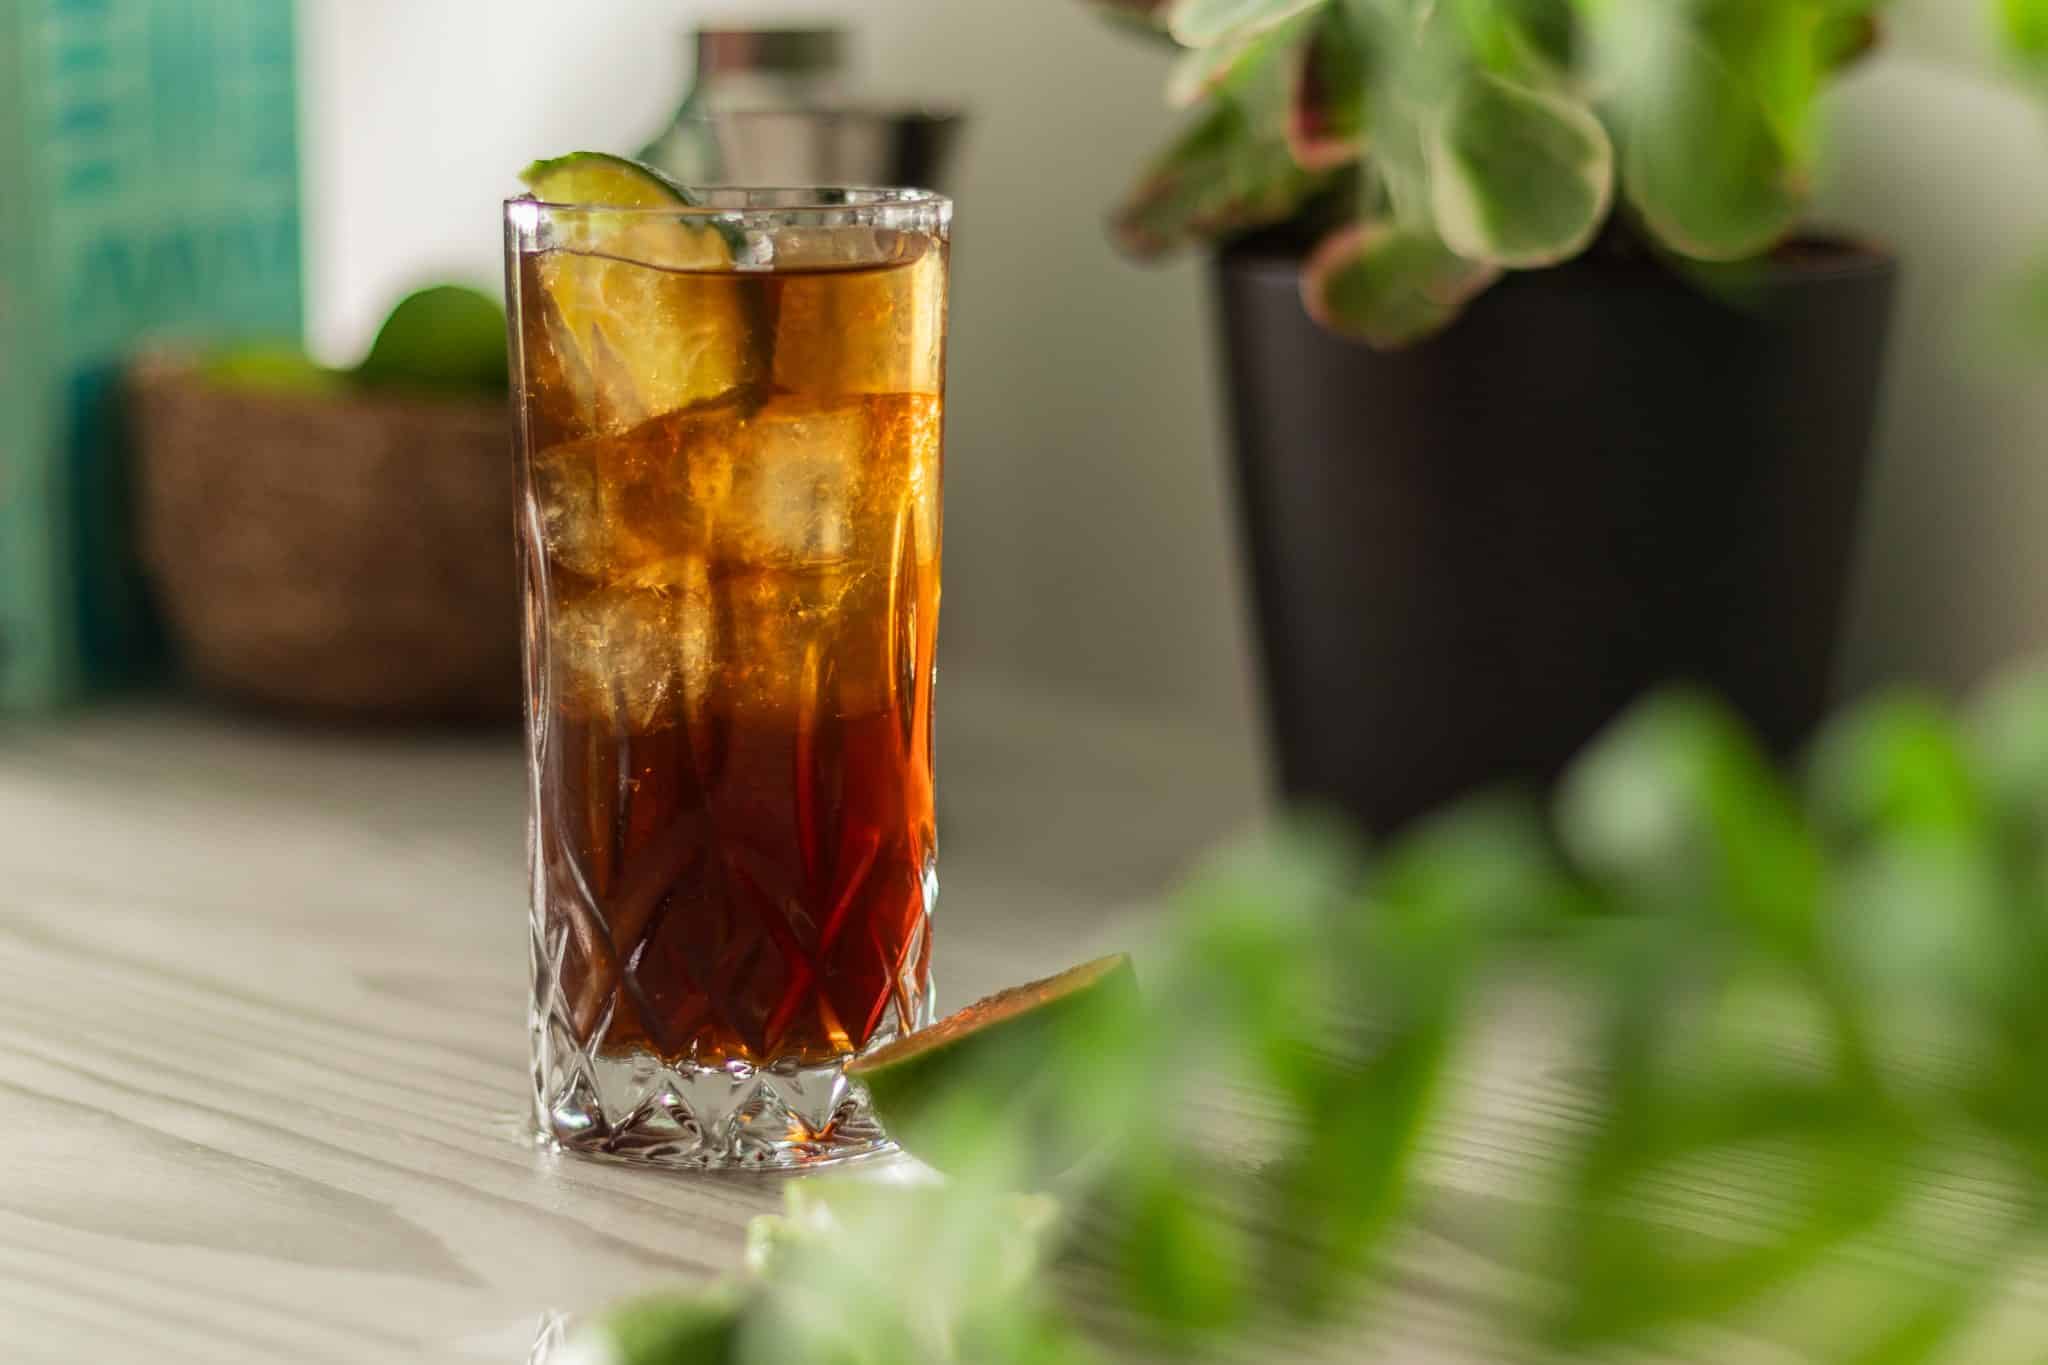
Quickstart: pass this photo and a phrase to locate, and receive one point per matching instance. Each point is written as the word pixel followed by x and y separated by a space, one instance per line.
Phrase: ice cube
pixel 631 509
pixel 852 246
pixel 569 495
pixel 798 484
pixel 909 437
pixel 634 656
pixel 779 632
pixel 738 550
pixel 863 331
pixel 559 396
pixel 610 506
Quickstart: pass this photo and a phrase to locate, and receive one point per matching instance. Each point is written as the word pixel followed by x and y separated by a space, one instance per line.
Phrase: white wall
pixel 1946 160
pixel 1088 542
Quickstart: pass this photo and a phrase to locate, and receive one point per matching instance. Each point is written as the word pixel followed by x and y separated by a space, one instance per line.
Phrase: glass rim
pixel 753 202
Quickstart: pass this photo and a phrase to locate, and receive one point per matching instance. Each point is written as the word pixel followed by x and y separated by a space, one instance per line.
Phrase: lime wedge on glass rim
pixel 640 306
pixel 601 178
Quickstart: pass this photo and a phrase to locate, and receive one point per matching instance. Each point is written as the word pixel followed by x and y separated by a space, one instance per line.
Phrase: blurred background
pixel 1198 546
pixel 1084 410
pixel 1092 548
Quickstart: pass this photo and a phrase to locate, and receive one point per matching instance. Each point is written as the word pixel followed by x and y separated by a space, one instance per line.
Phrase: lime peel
pixel 632 301
pixel 1003 1051
pixel 599 178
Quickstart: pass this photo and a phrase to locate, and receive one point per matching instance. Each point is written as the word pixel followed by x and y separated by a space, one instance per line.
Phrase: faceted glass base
pixel 736 1117
pixel 608 1098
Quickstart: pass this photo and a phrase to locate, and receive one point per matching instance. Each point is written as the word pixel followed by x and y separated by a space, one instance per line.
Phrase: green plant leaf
pixel 1446 893
pixel 1518 177
pixel 2021 316
pixel 1920 1335
pixel 2024 26
pixel 1896 766
pixel 1199 71
pixel 1847 34
pixel 1197 23
pixel 1676 806
pixel 1327 111
pixel 1387 286
pixel 1229 172
pixel 1774 49
pixel 2008 741
pixel 1340 1191
pixel 1185 1263
pixel 1252 977
pixel 661 1329
pixel 1520 39
pixel 1712 156
pixel 1486 865
pixel 1249 68
pixel 1923 939
pixel 1635 1260
pixel 1631 1278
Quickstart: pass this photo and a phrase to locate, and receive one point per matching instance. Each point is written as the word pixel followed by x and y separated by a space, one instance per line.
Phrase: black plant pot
pixel 1469 556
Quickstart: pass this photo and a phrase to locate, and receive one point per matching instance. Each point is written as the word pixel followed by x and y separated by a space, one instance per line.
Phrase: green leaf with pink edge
pixel 1241 66
pixel 1519 38
pixel 1847 34
pixel 1519 177
pixel 1228 173
pixel 1197 23
pixel 1714 151
pixel 1389 286
pixel 1200 71
pixel 1782 53
pixel 1328 104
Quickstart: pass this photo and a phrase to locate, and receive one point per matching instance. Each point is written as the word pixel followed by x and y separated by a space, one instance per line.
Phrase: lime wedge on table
pixel 1003 1052
pixel 641 311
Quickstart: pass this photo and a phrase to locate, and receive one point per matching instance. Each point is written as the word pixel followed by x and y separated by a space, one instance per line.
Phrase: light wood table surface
pixel 262 1039
pixel 262 1045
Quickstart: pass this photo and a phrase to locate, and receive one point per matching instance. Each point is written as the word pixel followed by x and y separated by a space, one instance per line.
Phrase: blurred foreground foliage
pixel 1829 985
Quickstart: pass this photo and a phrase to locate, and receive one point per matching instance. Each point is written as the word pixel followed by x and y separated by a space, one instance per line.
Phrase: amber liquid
pixel 733 616
pixel 764 891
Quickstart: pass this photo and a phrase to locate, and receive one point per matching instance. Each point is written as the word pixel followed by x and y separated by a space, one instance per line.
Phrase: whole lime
pixel 447 339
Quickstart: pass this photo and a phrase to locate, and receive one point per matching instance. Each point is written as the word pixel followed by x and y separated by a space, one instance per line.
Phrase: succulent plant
pixel 1439 143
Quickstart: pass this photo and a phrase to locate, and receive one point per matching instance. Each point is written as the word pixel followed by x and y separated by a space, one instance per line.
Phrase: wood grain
pixel 263 1074
pixel 262 1042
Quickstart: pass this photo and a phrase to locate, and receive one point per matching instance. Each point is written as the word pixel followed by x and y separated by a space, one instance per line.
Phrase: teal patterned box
pixel 148 188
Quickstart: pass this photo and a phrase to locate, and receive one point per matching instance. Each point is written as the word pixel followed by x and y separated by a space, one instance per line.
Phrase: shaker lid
pixel 777 51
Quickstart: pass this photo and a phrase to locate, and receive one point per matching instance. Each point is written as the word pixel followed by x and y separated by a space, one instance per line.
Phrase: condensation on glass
pixel 729 446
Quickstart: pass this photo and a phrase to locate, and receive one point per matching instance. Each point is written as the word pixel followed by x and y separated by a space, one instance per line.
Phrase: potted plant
pixel 1541 392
